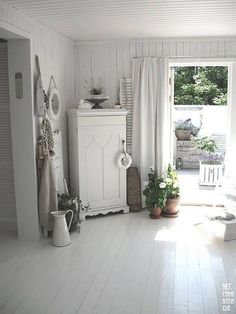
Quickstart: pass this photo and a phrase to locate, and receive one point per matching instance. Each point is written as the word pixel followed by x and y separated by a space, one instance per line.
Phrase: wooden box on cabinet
pixel 95 142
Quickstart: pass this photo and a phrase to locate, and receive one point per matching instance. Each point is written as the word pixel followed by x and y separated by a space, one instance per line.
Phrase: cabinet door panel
pixel 94 158
pixel 111 172
pixel 101 181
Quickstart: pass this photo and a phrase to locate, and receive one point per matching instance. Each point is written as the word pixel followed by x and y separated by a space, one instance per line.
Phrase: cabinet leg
pixel 126 210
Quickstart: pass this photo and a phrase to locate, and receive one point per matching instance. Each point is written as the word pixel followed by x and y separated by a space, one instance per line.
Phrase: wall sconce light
pixel 19 85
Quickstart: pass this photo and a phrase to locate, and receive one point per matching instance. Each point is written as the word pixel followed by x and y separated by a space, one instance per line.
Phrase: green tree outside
pixel 201 85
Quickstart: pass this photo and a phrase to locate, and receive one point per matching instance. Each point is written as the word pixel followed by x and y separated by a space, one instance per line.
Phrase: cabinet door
pixel 101 183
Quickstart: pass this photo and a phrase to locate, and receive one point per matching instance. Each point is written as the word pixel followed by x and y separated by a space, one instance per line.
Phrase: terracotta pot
pixel 155 213
pixel 172 206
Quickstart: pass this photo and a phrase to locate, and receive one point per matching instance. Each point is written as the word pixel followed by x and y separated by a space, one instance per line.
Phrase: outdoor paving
pixel 193 193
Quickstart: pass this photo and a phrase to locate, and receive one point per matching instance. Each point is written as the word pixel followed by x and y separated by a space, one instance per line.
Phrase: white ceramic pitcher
pixel 61 236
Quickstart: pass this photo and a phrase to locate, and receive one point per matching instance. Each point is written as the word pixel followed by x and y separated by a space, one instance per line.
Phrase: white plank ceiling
pixel 118 19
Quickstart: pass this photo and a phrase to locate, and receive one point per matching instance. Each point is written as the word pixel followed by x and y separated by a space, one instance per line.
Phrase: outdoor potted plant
pixel 172 193
pixel 184 129
pixel 155 194
pixel 211 163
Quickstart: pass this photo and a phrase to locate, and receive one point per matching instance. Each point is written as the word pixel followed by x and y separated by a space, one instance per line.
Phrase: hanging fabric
pixel 45 145
pixel 47 135
pixel 151 135
pixel 47 176
pixel 47 193
pixel 47 201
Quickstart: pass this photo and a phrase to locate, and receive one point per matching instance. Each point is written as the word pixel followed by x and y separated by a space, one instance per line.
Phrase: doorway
pixel 200 93
pixel 7 189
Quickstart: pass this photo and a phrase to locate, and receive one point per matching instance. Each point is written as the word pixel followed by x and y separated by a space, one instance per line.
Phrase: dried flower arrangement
pixel 95 87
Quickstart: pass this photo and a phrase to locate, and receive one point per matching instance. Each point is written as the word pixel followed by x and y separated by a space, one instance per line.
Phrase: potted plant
pixel 211 163
pixel 162 193
pixel 155 194
pixel 95 88
pixel 67 201
pixel 172 193
pixel 184 129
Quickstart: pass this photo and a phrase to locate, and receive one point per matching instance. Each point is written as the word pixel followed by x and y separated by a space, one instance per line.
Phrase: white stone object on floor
pixel 95 142
pixel 230 229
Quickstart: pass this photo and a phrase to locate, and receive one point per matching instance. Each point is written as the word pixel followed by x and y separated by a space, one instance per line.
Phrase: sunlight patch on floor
pixel 192 225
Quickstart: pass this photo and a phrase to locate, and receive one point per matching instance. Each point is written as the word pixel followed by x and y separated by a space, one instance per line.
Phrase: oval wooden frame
pixel 51 114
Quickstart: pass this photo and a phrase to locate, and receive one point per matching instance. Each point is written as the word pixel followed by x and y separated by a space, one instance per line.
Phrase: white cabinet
pixel 95 142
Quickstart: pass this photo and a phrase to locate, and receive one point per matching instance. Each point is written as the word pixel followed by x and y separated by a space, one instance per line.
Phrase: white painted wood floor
pixel 121 264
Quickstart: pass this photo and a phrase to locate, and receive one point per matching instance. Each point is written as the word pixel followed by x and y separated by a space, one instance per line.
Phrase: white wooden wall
pixel 7 192
pixel 56 56
pixel 113 59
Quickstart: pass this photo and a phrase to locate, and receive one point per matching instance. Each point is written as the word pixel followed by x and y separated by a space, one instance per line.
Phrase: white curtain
pixel 151 135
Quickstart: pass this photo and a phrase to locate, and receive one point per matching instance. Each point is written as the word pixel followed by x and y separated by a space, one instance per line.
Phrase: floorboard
pixel 121 264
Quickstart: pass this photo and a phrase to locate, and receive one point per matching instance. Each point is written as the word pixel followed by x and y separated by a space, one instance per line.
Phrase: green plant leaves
pixel 201 85
pixel 161 188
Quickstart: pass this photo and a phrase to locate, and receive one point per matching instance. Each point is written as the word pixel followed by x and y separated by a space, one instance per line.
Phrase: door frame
pixel 231 64
pixel 20 59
